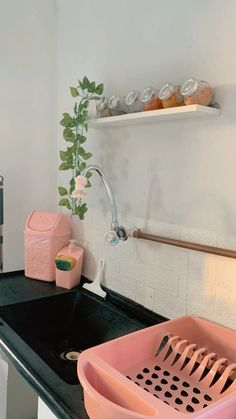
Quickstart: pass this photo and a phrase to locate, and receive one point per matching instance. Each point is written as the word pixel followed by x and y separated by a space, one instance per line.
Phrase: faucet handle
pixel 111 237
pixel 122 233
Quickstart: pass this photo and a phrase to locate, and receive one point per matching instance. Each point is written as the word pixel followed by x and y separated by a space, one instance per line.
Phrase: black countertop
pixel 65 400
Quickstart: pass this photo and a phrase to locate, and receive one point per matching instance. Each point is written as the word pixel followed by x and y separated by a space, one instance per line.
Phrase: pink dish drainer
pixel 177 369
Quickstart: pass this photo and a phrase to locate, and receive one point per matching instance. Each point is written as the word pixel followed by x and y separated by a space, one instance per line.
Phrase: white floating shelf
pixel 181 112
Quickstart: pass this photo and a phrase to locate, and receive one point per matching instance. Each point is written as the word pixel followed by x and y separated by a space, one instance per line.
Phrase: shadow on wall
pixel 112 156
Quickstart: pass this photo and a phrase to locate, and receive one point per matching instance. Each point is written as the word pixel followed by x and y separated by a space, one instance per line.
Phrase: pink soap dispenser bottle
pixel 70 278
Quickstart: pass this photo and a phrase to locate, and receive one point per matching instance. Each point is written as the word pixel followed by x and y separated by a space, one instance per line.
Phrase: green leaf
pixel 81 138
pixel 64 155
pixel 67 121
pixel 75 108
pixel 66 165
pixel 68 135
pixel 81 84
pixel 91 87
pixel 88 175
pixel 87 156
pixel 80 210
pixel 62 191
pixel 74 92
pixel 82 166
pixel 86 127
pixel 86 103
pixel 72 185
pixel 88 184
pixel 99 89
pixel 81 151
pixel 86 82
pixel 64 202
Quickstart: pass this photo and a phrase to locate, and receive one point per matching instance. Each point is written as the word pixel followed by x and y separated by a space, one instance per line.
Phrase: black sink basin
pixel 59 327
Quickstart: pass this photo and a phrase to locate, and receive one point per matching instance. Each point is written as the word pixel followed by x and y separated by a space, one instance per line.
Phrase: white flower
pixel 78 194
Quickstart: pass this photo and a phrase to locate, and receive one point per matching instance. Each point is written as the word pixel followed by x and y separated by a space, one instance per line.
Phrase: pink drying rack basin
pixel 182 368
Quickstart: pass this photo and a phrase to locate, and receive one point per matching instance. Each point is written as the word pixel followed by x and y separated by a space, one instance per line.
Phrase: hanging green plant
pixel 75 156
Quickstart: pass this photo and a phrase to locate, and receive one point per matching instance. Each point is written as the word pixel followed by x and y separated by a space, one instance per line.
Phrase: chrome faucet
pixel 117 232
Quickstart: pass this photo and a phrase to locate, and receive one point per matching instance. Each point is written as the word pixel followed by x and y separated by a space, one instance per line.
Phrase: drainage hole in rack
pixel 154 375
pixel 195 400
pixel 196 390
pixel 139 376
pixel 178 401
pixel 158 388
pixel 166 373
pixel 168 394
pixel 189 408
pixel 146 370
pixel 173 387
pixel 164 381
pixel 184 393
pixel 157 368
pixel 148 382
pixel 175 378
pixel 185 384
pixel 208 398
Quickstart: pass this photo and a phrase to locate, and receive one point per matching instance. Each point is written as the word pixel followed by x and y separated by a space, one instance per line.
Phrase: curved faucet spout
pixel 91 168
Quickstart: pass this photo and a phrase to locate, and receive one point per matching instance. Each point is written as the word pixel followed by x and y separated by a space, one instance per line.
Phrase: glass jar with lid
pixel 196 92
pixel 150 100
pixel 102 108
pixel 132 102
pixel 116 105
pixel 170 95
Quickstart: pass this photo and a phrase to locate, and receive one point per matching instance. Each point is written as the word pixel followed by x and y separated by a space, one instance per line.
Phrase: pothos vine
pixel 74 157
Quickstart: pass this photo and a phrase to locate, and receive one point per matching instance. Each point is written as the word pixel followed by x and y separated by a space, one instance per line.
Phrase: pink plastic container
pixel 178 369
pixel 69 279
pixel 45 234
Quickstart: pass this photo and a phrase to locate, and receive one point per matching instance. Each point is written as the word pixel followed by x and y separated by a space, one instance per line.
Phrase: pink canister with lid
pixel 45 234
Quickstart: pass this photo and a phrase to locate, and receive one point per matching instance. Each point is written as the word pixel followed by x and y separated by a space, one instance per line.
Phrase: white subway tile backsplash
pixel 169 280
pixel 169 306
pixel 127 247
pixel 172 258
pixel 163 279
pixel 146 252
pixel 198 267
pixel 183 286
pixel 112 257
pixel 144 295
pixel 123 285
pixel 133 267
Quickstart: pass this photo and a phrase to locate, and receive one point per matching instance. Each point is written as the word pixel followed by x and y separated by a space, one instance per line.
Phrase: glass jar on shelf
pixel 196 92
pixel 132 102
pixel 102 108
pixel 116 105
pixel 170 95
pixel 150 100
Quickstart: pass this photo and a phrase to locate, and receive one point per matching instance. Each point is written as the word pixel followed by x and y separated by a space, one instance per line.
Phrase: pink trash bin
pixel 45 234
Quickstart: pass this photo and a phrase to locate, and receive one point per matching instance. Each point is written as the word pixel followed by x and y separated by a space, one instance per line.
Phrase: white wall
pixel 175 178
pixel 27 112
